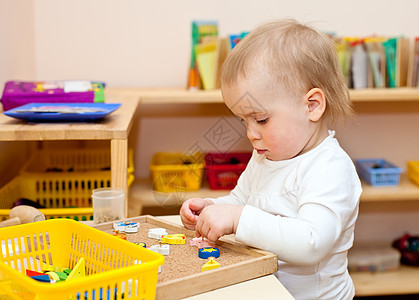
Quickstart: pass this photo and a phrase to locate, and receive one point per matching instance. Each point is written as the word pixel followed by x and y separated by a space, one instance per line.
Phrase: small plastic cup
pixel 108 204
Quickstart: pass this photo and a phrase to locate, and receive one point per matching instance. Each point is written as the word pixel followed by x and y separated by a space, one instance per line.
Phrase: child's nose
pixel 252 134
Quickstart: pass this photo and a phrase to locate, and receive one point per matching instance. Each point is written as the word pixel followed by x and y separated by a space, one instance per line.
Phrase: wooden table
pixel 114 128
pixel 266 287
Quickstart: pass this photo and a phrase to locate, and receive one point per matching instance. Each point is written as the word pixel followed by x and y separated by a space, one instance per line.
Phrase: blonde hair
pixel 298 58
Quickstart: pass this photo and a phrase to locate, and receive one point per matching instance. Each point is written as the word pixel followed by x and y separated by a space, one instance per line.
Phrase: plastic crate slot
pixel 35 242
pixel 3 248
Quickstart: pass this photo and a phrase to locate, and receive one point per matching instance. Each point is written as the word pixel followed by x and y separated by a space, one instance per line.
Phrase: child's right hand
pixel 191 209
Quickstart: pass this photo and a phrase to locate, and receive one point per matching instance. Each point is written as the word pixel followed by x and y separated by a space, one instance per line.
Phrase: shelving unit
pixel 404 191
pixel 115 129
pixel 183 96
pixel 402 281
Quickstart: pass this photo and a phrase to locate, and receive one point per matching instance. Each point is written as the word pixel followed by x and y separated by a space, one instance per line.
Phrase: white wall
pixel 147 44
pixel 17 61
pixel 17 50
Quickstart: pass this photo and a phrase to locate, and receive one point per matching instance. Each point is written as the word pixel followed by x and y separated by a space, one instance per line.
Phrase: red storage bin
pixel 224 169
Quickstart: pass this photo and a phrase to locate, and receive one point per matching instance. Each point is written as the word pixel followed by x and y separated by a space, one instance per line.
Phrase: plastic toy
pixel 201 243
pixel 54 273
pixel 408 246
pixel 208 252
pixel 132 227
pixel 178 238
pixel 53 276
pixel 50 268
pixel 23 214
pixel 62 275
pixel 67 271
pixel 33 273
pixel 78 270
pixel 120 235
pixel 156 233
pixel 128 227
pixel 162 249
pixel 141 244
pixel 211 264
pixel 43 278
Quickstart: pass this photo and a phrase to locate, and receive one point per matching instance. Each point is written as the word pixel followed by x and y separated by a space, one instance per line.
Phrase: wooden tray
pixel 244 263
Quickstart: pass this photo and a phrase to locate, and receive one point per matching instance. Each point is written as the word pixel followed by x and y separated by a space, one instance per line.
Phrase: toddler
pixel 298 196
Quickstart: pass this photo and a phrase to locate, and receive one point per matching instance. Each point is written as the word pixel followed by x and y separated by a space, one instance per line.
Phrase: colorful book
pixel 203 34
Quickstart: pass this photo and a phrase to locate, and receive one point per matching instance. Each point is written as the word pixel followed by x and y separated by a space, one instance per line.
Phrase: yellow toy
pixel 178 238
pixel 50 268
pixel 78 270
pixel 211 264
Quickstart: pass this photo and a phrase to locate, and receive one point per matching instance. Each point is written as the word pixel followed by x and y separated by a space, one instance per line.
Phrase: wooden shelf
pixel 385 95
pixel 404 191
pixel 183 96
pixel 396 282
pixel 114 128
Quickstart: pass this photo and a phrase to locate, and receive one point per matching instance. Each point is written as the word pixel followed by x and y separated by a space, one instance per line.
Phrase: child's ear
pixel 316 103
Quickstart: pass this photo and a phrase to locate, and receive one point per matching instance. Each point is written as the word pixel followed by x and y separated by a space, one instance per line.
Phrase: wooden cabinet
pixel 115 129
pixel 402 281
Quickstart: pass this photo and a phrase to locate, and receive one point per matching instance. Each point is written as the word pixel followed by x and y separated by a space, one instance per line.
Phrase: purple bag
pixel 17 93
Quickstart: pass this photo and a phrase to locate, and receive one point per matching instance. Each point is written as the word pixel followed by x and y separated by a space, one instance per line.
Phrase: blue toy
pixel 207 252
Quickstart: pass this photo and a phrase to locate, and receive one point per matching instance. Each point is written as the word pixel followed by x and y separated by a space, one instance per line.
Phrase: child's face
pixel 277 125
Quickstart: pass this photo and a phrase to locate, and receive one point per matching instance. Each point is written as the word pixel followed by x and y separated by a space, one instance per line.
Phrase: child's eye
pixel 263 121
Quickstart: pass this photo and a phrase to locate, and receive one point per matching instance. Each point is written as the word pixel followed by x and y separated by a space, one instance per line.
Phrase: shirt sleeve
pixel 327 202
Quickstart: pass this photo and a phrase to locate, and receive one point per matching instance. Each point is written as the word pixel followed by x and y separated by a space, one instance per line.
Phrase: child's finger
pixel 196 205
pixel 213 235
pixel 198 228
pixel 187 223
pixel 197 234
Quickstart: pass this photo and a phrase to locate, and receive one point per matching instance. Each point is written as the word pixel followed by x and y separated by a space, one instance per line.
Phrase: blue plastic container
pixel 378 172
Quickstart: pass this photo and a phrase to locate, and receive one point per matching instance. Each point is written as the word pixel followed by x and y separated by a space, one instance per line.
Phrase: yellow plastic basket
pixel 16 189
pixel 413 171
pixel 115 268
pixel 177 172
pixel 62 181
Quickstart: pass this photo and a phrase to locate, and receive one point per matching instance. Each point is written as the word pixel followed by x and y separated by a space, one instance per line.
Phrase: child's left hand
pixel 218 220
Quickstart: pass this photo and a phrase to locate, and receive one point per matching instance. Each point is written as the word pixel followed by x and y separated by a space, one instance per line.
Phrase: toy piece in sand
pixel 201 243
pixel 156 233
pixel 162 249
pixel 177 238
pixel 211 264
pixel 208 252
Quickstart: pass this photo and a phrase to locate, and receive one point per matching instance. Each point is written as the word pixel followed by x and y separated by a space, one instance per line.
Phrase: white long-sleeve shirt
pixel 304 210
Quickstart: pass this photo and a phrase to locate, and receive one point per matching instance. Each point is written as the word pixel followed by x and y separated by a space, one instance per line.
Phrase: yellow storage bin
pixel 177 172
pixel 16 189
pixel 62 181
pixel 413 171
pixel 115 268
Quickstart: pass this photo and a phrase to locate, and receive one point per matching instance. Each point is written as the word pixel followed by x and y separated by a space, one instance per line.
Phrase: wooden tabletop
pixel 266 287
pixel 114 126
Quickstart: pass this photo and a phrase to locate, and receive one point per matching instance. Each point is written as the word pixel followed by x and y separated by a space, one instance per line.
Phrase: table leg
pixel 119 162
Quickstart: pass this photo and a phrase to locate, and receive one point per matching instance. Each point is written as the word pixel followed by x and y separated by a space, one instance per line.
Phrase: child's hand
pixel 218 220
pixel 191 209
